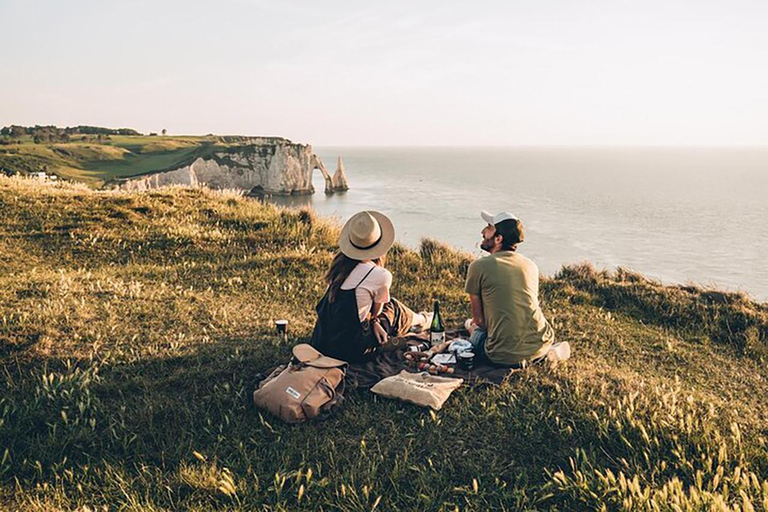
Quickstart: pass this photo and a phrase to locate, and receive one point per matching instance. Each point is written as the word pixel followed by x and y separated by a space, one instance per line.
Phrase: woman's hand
pixel 380 333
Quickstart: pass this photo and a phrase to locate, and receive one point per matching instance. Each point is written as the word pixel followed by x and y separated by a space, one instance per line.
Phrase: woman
pixel 356 315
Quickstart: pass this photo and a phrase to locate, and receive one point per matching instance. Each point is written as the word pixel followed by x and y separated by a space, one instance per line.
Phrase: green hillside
pixel 132 327
pixel 97 161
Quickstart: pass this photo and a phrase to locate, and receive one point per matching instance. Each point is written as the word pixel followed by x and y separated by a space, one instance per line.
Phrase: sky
pixel 432 73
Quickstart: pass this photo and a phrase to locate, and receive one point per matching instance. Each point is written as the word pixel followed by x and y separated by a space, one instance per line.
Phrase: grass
pixel 140 163
pixel 120 156
pixel 132 327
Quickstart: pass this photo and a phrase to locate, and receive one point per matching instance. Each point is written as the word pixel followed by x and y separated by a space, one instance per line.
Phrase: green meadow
pixel 96 163
pixel 133 326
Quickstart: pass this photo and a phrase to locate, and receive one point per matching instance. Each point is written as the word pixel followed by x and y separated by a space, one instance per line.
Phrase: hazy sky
pixel 394 73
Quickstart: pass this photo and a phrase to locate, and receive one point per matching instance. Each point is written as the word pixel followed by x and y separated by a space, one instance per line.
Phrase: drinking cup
pixel 282 327
pixel 466 360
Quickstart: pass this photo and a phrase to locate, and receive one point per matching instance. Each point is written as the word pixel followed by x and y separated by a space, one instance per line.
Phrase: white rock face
pixel 279 168
pixel 339 179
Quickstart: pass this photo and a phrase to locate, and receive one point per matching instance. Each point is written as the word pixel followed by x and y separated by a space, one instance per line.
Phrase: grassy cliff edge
pixel 99 162
pixel 132 327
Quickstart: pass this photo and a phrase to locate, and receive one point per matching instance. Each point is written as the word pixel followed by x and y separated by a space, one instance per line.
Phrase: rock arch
pixel 317 164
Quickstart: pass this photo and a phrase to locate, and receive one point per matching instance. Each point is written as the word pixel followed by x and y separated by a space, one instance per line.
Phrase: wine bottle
pixel 437 329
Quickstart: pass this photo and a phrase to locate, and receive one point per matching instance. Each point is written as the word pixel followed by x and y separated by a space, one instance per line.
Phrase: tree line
pixel 52 133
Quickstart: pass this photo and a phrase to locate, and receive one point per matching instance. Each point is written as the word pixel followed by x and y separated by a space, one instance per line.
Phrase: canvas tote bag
pixel 310 385
pixel 418 388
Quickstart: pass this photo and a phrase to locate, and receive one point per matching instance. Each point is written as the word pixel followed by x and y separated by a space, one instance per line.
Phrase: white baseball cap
pixel 499 217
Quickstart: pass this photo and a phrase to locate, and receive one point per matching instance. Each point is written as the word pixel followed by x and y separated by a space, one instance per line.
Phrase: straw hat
pixel 367 236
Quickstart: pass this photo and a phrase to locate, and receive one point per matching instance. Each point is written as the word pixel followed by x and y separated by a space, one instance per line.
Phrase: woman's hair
pixel 341 266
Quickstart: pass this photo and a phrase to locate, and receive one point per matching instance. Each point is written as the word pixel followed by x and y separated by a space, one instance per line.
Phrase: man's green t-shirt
pixel 508 284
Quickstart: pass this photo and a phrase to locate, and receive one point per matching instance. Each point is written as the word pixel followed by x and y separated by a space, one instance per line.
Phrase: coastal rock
pixel 339 179
pixel 266 166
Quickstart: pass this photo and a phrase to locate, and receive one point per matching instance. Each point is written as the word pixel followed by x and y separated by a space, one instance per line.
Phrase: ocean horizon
pixel 681 215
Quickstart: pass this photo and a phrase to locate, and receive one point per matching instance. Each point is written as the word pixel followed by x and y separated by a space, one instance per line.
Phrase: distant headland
pixel 124 158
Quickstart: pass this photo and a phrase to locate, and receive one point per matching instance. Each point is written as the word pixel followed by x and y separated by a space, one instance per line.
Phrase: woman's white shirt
pixel 375 287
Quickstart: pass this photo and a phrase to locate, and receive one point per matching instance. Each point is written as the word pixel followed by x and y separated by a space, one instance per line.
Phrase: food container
pixel 466 360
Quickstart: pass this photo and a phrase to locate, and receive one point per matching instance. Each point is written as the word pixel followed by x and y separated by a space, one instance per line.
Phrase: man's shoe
pixel 558 353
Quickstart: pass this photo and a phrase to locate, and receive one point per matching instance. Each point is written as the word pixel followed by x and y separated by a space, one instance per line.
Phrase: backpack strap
pixel 366 275
pixel 338 398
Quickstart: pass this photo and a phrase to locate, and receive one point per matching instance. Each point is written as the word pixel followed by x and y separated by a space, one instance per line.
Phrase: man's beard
pixel 486 244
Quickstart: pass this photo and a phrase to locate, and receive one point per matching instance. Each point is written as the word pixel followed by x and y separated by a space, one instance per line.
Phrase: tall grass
pixel 132 328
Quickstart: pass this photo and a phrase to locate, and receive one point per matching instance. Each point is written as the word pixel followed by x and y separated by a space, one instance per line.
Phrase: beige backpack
pixel 310 385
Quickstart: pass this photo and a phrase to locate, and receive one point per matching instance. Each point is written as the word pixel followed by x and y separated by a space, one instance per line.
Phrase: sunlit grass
pixel 96 163
pixel 132 328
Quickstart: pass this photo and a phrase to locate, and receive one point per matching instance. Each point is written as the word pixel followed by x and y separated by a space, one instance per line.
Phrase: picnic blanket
pixel 391 362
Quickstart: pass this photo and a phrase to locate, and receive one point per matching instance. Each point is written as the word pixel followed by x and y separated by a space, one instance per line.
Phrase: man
pixel 507 325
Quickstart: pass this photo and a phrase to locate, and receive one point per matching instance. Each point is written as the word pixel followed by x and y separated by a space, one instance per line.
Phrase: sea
pixel 678 215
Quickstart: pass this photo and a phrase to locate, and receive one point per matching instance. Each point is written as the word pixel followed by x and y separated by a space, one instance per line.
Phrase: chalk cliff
pixel 261 165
